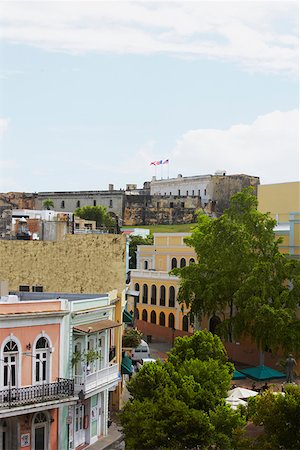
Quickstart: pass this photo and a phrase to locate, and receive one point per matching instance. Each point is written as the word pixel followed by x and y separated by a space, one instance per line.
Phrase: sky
pixel 91 92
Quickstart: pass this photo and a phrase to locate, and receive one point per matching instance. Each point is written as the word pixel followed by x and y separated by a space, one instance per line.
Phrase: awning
pixel 238 375
pixel 262 373
pixel 93 327
pixel 127 317
pixel 126 365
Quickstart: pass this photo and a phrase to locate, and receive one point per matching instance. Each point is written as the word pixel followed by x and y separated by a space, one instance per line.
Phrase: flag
pixel 153 163
pixel 166 161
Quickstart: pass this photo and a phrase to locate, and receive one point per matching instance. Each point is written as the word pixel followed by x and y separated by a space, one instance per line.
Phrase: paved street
pixel 158 350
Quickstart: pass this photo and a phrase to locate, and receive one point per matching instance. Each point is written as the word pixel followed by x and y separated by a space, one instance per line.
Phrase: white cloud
pixel 267 147
pixel 260 36
pixel 3 125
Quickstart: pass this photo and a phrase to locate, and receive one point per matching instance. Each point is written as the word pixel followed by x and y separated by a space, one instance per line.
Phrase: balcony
pixel 98 379
pixel 40 393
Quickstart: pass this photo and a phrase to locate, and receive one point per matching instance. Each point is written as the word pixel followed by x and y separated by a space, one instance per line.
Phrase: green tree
pixel 242 276
pixel 180 404
pixel 98 213
pixel 133 243
pixel 280 417
pixel 48 204
pixel 131 338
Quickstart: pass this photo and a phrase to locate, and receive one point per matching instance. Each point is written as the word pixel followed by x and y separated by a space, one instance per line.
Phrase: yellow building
pixel 157 301
pixel 282 201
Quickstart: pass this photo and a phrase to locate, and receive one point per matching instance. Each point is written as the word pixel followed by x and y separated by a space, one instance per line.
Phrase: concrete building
pixel 34 387
pixel 61 368
pixel 157 311
pixel 79 263
pixel 282 201
pixel 112 199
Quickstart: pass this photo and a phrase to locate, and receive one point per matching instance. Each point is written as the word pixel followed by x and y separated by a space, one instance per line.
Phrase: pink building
pixel 31 388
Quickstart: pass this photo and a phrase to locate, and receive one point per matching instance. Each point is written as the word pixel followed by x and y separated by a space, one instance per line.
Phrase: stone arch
pixel 171 297
pixel 171 321
pixel 162 319
pixel 153 317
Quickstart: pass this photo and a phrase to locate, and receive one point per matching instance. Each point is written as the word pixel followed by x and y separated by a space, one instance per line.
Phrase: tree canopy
pixel 280 417
pixel 242 276
pixel 180 404
pixel 98 213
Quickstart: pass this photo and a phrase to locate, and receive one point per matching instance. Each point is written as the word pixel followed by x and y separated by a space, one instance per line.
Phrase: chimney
pixel 110 187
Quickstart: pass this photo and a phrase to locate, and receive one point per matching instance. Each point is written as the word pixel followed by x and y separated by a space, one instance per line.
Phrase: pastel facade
pixel 157 301
pixel 33 386
pixel 282 201
pixel 60 360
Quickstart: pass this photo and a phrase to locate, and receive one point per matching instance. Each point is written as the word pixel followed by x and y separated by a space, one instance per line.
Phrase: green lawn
pixel 180 228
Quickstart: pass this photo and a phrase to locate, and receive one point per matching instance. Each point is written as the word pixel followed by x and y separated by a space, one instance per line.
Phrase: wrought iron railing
pixel 35 394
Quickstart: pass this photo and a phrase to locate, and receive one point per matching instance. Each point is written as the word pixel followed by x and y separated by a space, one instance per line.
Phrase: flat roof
pixel 28 296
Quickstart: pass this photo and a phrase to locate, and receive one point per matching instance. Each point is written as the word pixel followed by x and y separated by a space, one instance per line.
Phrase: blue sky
pixel 92 92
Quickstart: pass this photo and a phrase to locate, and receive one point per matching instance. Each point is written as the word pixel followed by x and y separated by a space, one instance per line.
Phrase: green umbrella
pixel 238 375
pixel 262 373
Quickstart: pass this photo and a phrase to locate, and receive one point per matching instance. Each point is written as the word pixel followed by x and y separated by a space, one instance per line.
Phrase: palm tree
pixel 48 203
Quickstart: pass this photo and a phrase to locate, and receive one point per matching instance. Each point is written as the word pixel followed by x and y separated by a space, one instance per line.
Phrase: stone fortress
pixel 160 201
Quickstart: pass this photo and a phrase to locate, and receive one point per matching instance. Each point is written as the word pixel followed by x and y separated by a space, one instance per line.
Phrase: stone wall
pixel 151 210
pixel 221 188
pixel 82 264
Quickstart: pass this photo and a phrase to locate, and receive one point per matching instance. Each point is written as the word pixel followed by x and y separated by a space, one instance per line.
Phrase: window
pixel 193 193
pixel 162 319
pixel 162 300
pixel 42 357
pixel 187 193
pixel 78 204
pixel 171 297
pixel 153 317
pixel 146 265
pixel 158 204
pixel 94 202
pixel 37 288
pixel 24 288
pixel 182 204
pixel 171 205
pixel 171 322
pixel 192 261
pixel 178 192
pixel 137 314
pixel 185 323
pixel 204 191
pixel 145 315
pixel 170 193
pixel 153 294
pixel 213 323
pixel 77 226
pixel 174 263
pixel 10 364
pixel 182 262
pixel 137 288
pixel 145 293
pixel 199 192
pixel 110 203
pixel 62 205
